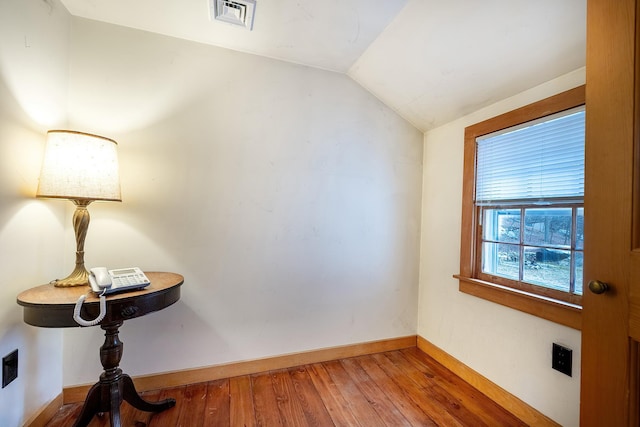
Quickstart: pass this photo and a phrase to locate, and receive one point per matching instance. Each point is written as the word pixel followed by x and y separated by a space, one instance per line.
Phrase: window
pixel 522 234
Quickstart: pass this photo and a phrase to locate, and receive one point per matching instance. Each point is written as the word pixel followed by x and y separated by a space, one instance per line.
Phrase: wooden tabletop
pixel 50 306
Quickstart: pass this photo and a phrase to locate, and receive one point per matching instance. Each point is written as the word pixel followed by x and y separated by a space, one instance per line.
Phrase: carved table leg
pixel 115 401
pixel 114 386
pixel 91 406
pixel 133 398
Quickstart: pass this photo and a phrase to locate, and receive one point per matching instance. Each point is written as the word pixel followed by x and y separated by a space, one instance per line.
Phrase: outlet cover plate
pixel 9 368
pixel 561 359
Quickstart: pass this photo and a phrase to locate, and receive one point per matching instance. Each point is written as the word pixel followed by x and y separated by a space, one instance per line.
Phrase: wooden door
pixel 612 242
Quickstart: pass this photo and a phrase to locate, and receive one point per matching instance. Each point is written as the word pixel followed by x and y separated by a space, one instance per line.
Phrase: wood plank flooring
pixel 396 388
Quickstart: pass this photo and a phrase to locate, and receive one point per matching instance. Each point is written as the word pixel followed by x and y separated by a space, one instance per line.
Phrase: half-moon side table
pixel 51 307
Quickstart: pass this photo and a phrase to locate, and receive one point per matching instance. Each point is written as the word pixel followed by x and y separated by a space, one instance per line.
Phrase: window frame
pixel 528 298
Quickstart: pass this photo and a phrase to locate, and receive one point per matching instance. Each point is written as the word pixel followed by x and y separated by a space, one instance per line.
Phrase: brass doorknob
pixel 598 287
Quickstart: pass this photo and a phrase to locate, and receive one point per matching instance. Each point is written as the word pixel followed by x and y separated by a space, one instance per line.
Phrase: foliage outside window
pixel 523 214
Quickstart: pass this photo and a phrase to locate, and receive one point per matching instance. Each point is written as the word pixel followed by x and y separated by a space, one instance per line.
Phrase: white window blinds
pixel 538 161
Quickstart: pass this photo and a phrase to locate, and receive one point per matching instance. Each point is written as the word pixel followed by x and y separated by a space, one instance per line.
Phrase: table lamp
pixel 82 168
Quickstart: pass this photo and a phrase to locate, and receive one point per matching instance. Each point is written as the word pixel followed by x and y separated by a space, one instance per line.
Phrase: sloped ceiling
pixel 432 61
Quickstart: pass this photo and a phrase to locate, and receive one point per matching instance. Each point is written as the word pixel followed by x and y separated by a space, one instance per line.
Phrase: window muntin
pixel 529 196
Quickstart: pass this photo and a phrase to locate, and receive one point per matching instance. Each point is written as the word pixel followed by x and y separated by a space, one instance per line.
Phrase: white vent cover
pixel 236 12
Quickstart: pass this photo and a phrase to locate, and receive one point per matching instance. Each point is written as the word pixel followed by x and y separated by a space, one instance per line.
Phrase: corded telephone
pixel 105 282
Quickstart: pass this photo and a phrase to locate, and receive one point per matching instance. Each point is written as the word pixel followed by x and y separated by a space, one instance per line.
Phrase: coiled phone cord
pixel 103 311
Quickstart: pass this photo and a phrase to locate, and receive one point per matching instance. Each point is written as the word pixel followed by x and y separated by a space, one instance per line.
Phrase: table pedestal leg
pixel 114 386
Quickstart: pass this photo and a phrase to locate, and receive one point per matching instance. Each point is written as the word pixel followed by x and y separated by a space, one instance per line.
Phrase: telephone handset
pixel 105 282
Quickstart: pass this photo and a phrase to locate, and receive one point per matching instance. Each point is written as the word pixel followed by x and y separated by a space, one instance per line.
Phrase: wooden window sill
pixel 547 308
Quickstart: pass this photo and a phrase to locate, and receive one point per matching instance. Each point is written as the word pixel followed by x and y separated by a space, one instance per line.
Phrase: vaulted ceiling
pixel 431 61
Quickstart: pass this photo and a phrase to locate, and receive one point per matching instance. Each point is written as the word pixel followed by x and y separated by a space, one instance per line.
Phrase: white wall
pixel 510 348
pixel 33 85
pixel 287 196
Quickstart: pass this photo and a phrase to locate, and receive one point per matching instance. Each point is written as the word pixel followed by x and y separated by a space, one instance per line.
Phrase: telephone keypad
pixel 129 280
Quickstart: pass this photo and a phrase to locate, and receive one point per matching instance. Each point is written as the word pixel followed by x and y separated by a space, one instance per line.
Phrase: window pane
pixel 547 267
pixel 578 273
pixel 501 259
pixel 580 228
pixel 502 225
pixel 548 227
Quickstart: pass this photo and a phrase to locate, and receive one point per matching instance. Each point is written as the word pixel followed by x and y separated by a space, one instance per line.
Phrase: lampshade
pixel 79 166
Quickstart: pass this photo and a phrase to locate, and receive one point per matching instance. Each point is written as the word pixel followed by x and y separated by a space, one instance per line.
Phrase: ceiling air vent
pixel 236 12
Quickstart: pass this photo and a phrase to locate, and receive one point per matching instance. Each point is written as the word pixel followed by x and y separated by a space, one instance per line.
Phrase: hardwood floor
pixel 396 388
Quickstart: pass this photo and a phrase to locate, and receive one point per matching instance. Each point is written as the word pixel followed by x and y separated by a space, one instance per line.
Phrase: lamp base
pixel 78 277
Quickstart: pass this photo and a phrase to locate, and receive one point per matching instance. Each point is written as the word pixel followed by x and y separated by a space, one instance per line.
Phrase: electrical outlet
pixel 9 368
pixel 561 359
